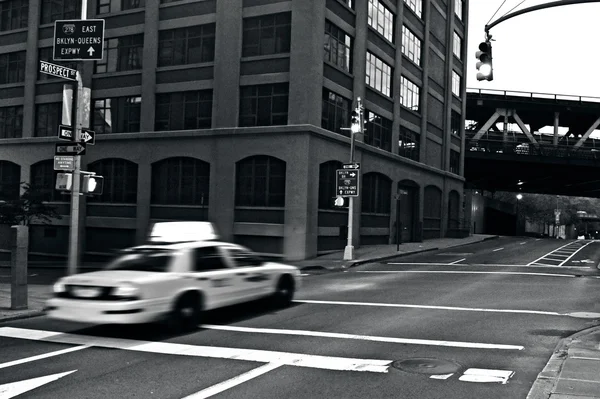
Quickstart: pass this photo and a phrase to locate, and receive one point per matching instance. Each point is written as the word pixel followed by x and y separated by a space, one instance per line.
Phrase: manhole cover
pixel 426 365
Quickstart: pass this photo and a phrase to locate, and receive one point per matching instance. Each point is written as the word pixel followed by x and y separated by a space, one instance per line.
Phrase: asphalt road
pixel 470 322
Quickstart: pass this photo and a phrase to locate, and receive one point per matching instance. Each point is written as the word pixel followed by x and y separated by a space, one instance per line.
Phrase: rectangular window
pixel 169 1
pixel 103 6
pixel 183 110
pixel 381 19
pixel 116 115
pixel 379 74
pixel 12 67
pixel 457 46
pixel 411 46
pixel 349 3
pixel 46 54
pixel 338 47
pixel 408 144
pixel 455 84
pixel 378 131
pixel 122 54
pixel 11 122
pixel 458 8
pixel 13 14
pixel 409 94
pixel 60 9
pixel 47 118
pixel 336 112
pixel 454 161
pixel 264 105
pixel 416 6
pixel 184 46
pixel 132 4
pixel 267 34
pixel 455 121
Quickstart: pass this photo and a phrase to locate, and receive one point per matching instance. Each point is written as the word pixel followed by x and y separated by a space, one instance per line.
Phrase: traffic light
pixel 484 65
pixel 92 185
pixel 355 122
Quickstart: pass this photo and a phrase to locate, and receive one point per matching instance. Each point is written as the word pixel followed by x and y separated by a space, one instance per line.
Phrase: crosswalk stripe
pixel 253 355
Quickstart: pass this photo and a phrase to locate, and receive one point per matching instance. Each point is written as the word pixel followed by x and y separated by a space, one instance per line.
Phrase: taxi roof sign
pixel 173 232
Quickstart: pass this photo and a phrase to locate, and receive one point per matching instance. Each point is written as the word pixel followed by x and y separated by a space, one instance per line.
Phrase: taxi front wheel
pixel 186 315
pixel 285 291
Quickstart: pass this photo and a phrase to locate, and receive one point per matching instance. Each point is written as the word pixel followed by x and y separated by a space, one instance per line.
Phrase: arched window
pixel 432 212
pixel 43 180
pixel 453 210
pixel 10 176
pixel 120 180
pixel 327 184
pixel 260 181
pixel 376 193
pixel 180 181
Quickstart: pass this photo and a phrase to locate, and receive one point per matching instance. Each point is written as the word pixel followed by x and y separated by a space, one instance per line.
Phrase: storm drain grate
pixel 426 365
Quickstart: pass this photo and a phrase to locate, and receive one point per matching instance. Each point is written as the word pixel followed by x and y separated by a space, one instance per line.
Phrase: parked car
pixel 174 281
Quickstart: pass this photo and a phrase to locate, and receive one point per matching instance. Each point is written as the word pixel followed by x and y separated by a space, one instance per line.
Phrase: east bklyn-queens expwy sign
pixel 78 40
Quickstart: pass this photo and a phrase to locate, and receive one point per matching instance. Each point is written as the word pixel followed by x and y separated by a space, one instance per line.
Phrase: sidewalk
pixel 35 302
pixel 374 253
pixel 573 371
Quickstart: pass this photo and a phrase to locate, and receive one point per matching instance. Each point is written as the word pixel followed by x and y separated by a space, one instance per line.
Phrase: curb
pixel 546 380
pixel 27 315
pixel 363 261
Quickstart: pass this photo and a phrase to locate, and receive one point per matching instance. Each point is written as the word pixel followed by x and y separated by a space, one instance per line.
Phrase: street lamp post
pixel 519 198
pixel 356 127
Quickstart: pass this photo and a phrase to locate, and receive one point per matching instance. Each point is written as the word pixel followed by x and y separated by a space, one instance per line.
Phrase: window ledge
pixel 165 5
pixel 337 68
pixel 184 66
pixel 110 203
pixel 179 206
pixel 117 73
pixel 346 5
pixel 383 37
pixel 262 208
pixel 405 57
pixel 120 12
pixel 265 57
pixel 12 31
pixel 405 108
pixel 11 85
pixel 375 214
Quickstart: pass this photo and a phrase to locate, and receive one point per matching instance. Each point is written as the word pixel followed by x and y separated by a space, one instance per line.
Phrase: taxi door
pixel 257 280
pixel 215 277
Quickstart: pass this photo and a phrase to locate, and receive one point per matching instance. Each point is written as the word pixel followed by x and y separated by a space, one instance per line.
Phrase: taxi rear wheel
pixel 285 291
pixel 186 315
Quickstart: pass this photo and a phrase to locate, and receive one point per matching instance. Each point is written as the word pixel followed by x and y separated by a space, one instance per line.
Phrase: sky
pixel 547 51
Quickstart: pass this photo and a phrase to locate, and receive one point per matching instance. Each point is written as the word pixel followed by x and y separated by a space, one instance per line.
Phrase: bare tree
pixel 29 207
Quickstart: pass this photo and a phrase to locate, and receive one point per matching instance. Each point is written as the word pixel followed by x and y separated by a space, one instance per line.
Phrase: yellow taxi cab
pixel 180 272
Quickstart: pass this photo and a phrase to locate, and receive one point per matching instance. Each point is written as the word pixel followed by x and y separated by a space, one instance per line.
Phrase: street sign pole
pixel 78 115
pixel 349 250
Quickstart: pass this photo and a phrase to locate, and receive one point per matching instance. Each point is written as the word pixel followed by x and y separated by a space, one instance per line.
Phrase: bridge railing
pixel 529 149
pixel 548 96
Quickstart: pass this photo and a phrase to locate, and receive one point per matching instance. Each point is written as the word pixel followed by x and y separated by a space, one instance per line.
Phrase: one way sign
pixel 88 136
pixel 347 182
pixel 70 149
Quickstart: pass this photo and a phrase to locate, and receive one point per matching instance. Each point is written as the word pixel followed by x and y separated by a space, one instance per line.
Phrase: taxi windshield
pixel 147 260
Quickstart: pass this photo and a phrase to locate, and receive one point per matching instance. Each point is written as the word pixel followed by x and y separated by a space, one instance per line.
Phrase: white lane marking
pixel 441 376
pixel 465 272
pixel 485 265
pixel 556 250
pixel 583 246
pixel 398 305
pixel 456 344
pixel 42 356
pixel 252 355
pixel 537 239
pixel 524 242
pixel 485 375
pixel 304 274
pixel 456 253
pixel 498 249
pixel 237 380
pixel 13 389
pixel 457 261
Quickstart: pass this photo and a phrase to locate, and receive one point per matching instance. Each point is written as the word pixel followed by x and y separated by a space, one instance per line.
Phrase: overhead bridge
pixel 505 150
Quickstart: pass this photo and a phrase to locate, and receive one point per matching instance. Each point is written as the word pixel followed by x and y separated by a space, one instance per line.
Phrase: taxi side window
pixel 207 259
pixel 243 258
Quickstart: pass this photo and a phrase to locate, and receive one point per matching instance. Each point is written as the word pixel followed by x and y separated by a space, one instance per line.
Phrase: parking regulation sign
pixel 347 182
pixel 78 39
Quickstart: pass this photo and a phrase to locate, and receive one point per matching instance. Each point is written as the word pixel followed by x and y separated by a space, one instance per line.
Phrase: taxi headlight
pixel 59 287
pixel 126 290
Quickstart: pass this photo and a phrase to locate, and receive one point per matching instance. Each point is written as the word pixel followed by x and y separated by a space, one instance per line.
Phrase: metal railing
pixel 525 94
pixel 529 149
